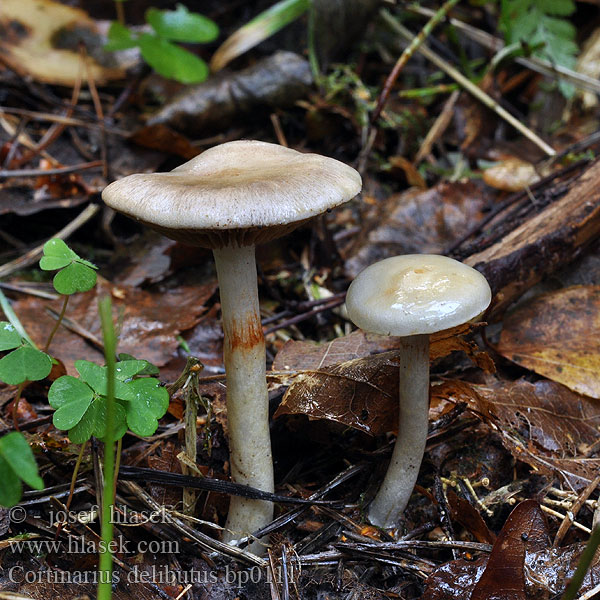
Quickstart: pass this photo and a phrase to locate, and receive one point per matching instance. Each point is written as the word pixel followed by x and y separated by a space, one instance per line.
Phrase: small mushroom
pixel 230 198
pixel 411 297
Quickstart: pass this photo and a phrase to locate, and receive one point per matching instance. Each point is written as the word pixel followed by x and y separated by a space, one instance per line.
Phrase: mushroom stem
pixel 401 476
pixel 247 397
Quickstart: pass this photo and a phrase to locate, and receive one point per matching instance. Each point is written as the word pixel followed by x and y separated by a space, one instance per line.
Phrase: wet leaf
pixel 463 512
pixel 360 393
pixel 543 424
pixel 303 355
pixel 525 531
pixel 558 335
pixel 417 221
pixel 500 576
pixel 351 379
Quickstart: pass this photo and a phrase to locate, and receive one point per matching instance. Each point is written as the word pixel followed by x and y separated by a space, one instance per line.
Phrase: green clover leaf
pixel 9 337
pixel 75 274
pixel 150 402
pixel 74 278
pixel 24 364
pixel 119 38
pixel 17 464
pixel 81 403
pixel 96 377
pixel 181 25
pixel 56 255
pixel 171 61
pixel 71 397
pixel 15 450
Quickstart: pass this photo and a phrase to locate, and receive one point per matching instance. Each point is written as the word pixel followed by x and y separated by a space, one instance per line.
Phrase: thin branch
pixel 468 85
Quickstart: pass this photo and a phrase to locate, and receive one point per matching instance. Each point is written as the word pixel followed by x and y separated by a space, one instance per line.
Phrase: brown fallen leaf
pixel 463 512
pixel 543 424
pixel 34 41
pixel 358 392
pixel 306 356
pixel 417 221
pixel 149 321
pixel 558 335
pixel 521 566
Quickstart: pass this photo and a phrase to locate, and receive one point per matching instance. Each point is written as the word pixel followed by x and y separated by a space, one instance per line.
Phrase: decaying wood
pixel 551 239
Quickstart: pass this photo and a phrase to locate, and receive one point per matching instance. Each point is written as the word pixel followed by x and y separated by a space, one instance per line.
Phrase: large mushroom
pixel 412 296
pixel 230 198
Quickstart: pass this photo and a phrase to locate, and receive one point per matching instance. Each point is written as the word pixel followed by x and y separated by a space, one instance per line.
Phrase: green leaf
pixel 119 38
pixel 24 364
pixel 120 423
pixel 9 337
pixel 11 489
pixel 127 369
pixel 149 404
pixel 149 369
pixel 15 450
pixel 95 376
pixel 76 277
pixel 71 397
pixel 171 61
pixel 540 24
pixel 181 25
pixel 56 255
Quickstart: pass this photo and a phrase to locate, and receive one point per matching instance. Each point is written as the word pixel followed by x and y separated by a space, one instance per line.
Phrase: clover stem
pixel 72 488
pixel 401 476
pixel 59 320
pixel 247 397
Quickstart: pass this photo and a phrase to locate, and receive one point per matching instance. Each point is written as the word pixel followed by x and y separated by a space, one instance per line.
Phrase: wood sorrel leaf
pixel 11 488
pixel 24 364
pixel 150 402
pixel 56 255
pixel 15 450
pixel 95 376
pixel 71 397
pixel 9 337
pixel 171 61
pixel 181 25
pixel 74 278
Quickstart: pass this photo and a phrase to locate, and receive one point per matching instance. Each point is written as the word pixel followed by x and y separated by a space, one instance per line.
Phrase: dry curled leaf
pixel 543 424
pixel 558 335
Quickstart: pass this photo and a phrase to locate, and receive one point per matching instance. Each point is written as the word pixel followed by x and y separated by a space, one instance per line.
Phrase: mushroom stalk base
pixel 247 398
pixel 394 493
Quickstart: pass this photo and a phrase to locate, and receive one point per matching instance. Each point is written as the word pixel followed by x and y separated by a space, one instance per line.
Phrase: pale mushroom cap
pixel 416 294
pixel 235 187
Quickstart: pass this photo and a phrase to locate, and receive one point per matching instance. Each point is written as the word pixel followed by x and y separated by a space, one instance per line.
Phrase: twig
pixel 409 51
pixel 31 256
pixel 438 127
pixel 484 98
pixel 572 513
pixel 306 315
pixel 6 173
